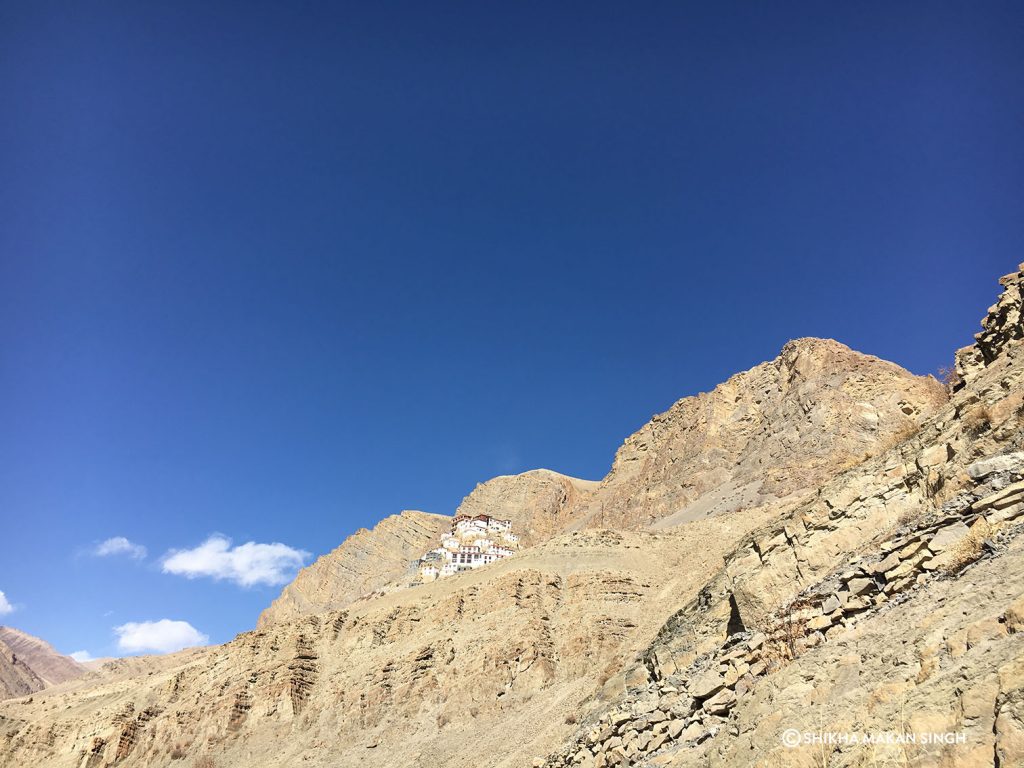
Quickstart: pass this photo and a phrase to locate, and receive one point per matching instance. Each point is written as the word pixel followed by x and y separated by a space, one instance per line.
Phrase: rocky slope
pixel 540 503
pixel 51 667
pixel 873 584
pixel 765 435
pixel 890 600
pixel 779 429
pixel 366 561
pixel 16 677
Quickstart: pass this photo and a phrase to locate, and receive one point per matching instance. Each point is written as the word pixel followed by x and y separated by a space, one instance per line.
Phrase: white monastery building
pixel 473 542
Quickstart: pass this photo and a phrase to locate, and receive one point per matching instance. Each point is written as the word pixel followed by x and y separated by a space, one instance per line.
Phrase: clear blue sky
pixel 276 271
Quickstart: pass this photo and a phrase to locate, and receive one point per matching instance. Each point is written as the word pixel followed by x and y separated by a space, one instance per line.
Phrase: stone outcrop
pixel 1002 329
pixel 779 429
pixel 368 560
pixel 540 503
pixel 935 523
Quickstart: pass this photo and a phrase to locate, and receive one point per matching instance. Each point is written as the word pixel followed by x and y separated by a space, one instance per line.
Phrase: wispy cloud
pixel 119 545
pixel 5 606
pixel 247 564
pixel 81 656
pixel 163 636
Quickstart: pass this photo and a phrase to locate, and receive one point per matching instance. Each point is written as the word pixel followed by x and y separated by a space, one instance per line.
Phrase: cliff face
pixel 540 503
pixel 366 561
pixel 779 429
pixel 887 594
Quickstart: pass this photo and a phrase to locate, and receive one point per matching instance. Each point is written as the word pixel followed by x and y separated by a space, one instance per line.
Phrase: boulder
pixel 706 684
pixel 721 702
pixel 1007 462
pixel 948 537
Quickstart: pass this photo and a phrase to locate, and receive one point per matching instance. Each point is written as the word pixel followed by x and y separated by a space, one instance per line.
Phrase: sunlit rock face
pixel 870 578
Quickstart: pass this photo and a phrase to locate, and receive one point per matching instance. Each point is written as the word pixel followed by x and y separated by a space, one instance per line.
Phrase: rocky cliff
pixel 779 429
pixel 874 583
pixel 366 561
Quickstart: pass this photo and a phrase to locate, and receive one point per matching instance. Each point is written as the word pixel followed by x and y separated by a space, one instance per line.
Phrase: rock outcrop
pixel 777 430
pixel 366 561
pixel 540 503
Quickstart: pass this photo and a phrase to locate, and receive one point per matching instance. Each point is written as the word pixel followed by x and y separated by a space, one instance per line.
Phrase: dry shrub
pixel 906 431
pixel 177 752
pixel 969 548
pixel 949 377
pixel 978 420
pixel 205 761
pixel 571 719
pixel 443 720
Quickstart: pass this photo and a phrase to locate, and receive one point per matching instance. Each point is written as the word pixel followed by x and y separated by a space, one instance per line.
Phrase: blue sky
pixel 270 274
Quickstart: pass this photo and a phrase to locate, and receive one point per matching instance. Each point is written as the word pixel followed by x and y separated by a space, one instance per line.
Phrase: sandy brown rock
pixel 16 677
pixel 51 667
pixel 540 503
pixel 854 591
pixel 779 429
pixel 366 561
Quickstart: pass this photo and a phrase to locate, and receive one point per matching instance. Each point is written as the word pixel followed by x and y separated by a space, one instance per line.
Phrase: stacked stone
pixel 1003 324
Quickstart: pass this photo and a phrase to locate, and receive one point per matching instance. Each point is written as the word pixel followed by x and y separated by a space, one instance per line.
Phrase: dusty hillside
pixel 366 561
pixel 16 677
pixel 876 587
pixel 40 656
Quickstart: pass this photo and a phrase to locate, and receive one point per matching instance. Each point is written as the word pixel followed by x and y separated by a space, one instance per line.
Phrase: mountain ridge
pixel 884 586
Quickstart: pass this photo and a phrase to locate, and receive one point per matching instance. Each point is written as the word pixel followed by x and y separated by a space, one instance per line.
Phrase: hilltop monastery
pixel 471 543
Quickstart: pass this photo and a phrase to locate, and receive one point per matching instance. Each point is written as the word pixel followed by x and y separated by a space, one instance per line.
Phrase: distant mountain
pixel 28 664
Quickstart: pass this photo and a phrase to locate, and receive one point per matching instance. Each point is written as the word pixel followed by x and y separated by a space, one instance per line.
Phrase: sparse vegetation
pixel 949 377
pixel 205 761
pixel 978 420
pixel 969 549
pixel 571 719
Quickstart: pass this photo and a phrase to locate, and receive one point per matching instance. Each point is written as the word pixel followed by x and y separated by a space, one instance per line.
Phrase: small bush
pixel 571 719
pixel 205 761
pixel 970 547
pixel 177 753
pixel 978 420
pixel 949 377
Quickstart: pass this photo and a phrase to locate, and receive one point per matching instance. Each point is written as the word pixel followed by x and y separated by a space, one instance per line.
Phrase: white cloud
pixel 246 565
pixel 5 606
pixel 81 656
pixel 162 636
pixel 119 545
